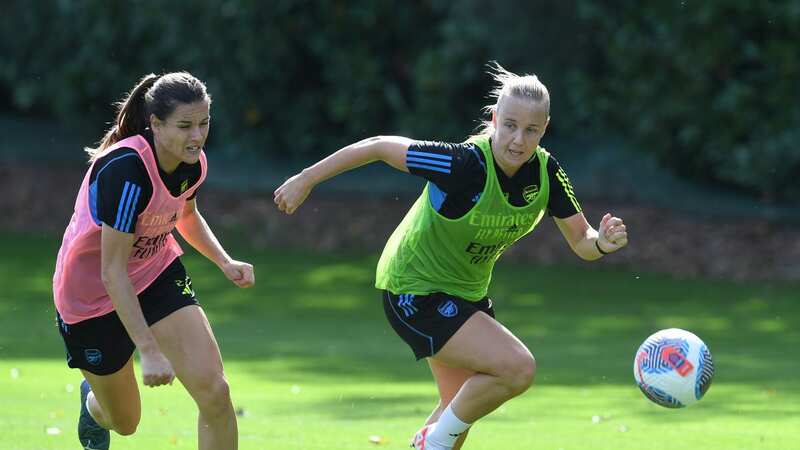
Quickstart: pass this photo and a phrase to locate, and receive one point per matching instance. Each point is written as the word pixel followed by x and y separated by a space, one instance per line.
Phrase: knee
pixel 125 425
pixel 121 419
pixel 518 373
pixel 213 395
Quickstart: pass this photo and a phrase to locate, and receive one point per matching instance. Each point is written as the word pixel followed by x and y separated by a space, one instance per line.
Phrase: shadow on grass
pixel 317 315
pixel 371 407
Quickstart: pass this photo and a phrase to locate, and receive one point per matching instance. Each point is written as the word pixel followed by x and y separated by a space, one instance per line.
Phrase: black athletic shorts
pixel 427 322
pixel 101 345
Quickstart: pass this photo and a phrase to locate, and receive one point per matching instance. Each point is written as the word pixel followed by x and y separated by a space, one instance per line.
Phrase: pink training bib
pixel 77 286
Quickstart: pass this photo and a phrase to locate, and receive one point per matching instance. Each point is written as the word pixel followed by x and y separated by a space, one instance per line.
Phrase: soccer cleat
pixel 91 435
pixel 418 443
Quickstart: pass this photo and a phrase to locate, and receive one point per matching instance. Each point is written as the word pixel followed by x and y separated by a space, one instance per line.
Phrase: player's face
pixel 519 126
pixel 182 135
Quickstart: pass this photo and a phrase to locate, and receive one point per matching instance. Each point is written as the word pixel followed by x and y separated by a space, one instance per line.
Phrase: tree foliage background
pixel 711 88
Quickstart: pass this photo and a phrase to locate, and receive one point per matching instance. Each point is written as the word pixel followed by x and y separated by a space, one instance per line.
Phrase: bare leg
pixel 449 380
pixel 186 339
pixel 503 366
pixel 114 400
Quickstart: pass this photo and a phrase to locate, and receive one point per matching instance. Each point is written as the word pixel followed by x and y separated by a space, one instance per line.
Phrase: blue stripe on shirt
pixel 429 161
pixel 128 205
pixel 422 166
pixel 132 210
pixel 118 157
pixel 121 205
pixel 430 155
pixel 93 202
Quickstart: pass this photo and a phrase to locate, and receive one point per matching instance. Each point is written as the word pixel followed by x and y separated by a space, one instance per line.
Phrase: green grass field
pixel 314 366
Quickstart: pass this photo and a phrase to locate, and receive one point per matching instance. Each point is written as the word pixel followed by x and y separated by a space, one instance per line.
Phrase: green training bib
pixel 428 252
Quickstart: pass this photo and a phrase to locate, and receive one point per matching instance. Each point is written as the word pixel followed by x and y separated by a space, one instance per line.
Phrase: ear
pixel 545 125
pixel 494 117
pixel 154 122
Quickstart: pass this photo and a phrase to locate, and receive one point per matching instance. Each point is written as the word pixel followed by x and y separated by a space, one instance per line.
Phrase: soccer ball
pixel 673 368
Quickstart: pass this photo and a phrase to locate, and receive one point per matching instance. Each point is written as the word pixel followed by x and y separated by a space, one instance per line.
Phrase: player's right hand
pixel 156 369
pixel 292 193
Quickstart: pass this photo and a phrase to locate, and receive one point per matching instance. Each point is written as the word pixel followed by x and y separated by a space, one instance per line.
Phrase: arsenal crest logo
pixel 530 192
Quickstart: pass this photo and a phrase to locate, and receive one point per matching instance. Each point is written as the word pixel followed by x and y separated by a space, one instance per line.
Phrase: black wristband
pixel 597 244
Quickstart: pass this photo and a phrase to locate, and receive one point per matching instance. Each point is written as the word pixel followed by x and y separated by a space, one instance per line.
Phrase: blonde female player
pixel 482 196
pixel 119 283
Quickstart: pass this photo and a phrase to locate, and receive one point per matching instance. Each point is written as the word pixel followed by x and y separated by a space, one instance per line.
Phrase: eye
pixel 530 130
pixel 511 126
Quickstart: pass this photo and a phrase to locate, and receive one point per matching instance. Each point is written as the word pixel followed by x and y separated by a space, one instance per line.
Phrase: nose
pixel 196 134
pixel 518 138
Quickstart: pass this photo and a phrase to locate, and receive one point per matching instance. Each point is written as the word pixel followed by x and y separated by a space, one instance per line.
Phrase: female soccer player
pixel 119 283
pixel 482 196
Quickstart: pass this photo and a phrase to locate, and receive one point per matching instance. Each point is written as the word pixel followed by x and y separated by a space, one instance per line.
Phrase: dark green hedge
pixel 710 87
pixel 294 76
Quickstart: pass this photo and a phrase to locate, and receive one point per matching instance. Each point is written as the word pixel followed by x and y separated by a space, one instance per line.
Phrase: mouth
pixel 193 149
pixel 515 153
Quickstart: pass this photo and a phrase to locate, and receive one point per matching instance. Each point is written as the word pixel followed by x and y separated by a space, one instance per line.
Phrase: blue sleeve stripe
pixel 434 168
pixel 430 161
pixel 132 210
pixel 121 205
pixel 118 157
pixel 93 202
pixel 127 206
pixel 430 155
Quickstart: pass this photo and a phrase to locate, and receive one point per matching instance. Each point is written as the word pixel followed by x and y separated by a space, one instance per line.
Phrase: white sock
pixel 447 429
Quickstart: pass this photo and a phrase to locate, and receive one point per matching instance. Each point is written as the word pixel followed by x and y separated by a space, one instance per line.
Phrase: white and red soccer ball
pixel 673 368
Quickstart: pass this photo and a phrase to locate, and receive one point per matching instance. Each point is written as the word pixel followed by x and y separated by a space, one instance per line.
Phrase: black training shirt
pixel 458 175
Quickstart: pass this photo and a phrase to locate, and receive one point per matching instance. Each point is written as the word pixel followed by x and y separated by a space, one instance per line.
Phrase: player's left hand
pixel 612 233
pixel 240 273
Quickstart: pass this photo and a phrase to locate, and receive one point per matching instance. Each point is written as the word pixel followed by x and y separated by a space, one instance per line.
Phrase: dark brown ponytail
pixel 132 116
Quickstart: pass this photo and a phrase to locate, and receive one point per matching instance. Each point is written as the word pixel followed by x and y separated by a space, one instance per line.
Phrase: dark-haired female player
pixel 119 284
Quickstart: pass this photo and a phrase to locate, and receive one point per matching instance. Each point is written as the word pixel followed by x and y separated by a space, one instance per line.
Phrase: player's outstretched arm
pixel 389 149
pixel 591 244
